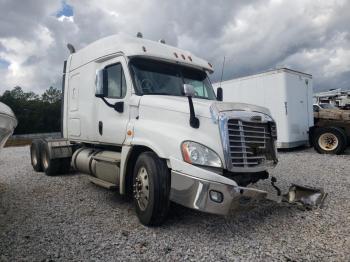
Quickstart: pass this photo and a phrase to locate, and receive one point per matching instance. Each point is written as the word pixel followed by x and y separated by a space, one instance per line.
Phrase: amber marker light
pixel 186 154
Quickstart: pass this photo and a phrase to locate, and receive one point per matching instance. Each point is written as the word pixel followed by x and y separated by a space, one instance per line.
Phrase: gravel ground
pixel 68 218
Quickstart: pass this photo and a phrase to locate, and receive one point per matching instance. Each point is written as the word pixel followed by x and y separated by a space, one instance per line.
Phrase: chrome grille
pixel 249 142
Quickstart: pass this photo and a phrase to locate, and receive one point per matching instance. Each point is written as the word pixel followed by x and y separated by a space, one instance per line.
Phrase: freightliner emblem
pixel 256 118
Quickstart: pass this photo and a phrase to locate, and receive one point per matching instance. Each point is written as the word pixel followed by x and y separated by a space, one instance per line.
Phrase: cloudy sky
pixel 254 35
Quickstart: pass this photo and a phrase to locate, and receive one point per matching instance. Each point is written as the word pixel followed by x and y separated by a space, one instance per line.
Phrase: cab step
pixel 102 183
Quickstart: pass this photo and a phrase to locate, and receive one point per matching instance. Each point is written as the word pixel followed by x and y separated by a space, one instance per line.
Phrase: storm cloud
pixel 254 36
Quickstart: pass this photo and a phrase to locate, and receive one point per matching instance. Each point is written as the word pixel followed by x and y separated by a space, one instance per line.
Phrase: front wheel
pixel 330 140
pixel 151 188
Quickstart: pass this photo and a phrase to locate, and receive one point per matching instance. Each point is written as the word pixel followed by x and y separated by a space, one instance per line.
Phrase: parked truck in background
pixel 331 133
pixel 142 118
pixel 286 93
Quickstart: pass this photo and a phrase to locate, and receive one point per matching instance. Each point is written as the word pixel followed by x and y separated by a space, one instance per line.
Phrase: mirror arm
pixel 106 102
pixel 119 106
pixel 194 121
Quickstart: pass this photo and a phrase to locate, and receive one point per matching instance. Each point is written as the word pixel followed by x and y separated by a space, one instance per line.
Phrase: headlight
pixel 197 154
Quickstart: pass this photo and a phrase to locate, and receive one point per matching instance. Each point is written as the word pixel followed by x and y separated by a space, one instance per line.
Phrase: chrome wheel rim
pixel 34 158
pixel 141 188
pixel 328 141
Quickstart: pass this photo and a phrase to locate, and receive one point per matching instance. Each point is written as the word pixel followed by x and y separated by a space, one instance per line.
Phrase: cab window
pixel 115 81
pixel 199 87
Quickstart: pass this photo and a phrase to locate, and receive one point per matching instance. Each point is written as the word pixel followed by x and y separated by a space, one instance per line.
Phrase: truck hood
pixel 202 107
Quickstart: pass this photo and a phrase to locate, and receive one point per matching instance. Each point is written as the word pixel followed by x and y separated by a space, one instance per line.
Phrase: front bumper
pixel 194 192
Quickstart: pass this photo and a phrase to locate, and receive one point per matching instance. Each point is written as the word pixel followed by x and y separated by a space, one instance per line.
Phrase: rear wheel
pixel 330 140
pixel 35 155
pixel 50 166
pixel 65 165
pixel 151 185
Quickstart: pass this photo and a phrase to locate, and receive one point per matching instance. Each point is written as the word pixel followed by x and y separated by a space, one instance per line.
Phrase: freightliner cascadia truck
pixel 141 117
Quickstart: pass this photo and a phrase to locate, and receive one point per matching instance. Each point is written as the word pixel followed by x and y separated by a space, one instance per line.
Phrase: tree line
pixel 35 113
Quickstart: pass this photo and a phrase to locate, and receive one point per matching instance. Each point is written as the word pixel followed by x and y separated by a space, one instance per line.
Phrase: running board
pixel 102 183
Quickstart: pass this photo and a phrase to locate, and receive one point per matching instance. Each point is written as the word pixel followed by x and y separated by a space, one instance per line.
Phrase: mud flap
pixel 309 197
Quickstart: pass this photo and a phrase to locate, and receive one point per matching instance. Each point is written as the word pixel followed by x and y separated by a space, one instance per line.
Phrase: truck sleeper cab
pixel 142 118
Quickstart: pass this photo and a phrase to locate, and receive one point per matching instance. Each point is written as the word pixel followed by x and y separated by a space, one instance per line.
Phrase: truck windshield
pixel 160 78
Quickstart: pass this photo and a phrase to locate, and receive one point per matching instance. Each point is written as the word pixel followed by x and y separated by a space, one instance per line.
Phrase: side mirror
pixel 99 90
pixel 219 94
pixel 188 90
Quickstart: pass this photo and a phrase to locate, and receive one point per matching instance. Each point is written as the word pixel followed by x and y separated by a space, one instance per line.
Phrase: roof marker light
pixel 176 55
pixel 190 58
pixel 183 57
pixel 144 49
pixel 210 65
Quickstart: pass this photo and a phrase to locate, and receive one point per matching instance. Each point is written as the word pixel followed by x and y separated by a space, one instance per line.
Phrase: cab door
pixel 113 109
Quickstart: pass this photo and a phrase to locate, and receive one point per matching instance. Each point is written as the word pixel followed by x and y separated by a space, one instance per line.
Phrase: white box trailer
pixel 286 93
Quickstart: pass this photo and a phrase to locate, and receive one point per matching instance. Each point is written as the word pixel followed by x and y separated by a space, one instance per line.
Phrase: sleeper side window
pixel 116 85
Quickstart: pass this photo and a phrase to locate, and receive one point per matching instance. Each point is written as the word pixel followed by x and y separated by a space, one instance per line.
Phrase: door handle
pixel 100 127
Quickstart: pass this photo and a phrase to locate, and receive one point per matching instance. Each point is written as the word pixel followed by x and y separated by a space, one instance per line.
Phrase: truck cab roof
pixel 126 45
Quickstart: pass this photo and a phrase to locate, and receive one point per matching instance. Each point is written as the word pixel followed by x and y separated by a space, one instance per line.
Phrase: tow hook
pixel 273 181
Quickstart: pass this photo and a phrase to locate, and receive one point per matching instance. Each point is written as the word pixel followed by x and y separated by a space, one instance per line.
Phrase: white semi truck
pixel 141 117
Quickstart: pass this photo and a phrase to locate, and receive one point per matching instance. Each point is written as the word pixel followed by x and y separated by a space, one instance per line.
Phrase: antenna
pixel 222 70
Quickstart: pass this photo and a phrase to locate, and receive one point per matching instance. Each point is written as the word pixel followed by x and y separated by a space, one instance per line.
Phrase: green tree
pixel 35 114
pixel 51 95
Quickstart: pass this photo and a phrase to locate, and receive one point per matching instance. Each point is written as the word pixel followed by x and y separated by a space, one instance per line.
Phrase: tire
pixel 329 140
pixel 35 155
pixel 65 165
pixel 151 174
pixel 50 166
